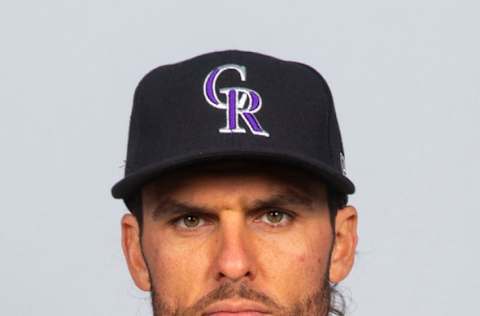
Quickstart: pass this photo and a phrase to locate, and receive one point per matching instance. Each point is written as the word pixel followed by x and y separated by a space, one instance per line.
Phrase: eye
pixel 277 217
pixel 274 217
pixel 188 221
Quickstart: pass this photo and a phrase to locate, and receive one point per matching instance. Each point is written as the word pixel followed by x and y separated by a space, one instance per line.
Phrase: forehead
pixel 267 173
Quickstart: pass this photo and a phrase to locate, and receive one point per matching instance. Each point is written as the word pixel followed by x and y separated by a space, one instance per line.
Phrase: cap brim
pixel 134 181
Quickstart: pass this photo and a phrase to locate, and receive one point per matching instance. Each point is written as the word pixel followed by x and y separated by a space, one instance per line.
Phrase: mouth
pixel 236 308
pixel 246 313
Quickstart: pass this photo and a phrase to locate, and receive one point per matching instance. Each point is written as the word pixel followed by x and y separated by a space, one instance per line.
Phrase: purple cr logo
pixel 240 101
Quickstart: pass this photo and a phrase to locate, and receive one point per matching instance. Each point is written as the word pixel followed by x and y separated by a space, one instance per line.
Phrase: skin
pixel 236 248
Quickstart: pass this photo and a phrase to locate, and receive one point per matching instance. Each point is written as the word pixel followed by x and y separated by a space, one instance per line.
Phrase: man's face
pixel 214 241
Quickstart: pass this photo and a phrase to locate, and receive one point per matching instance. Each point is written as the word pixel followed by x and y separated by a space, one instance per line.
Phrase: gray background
pixel 404 75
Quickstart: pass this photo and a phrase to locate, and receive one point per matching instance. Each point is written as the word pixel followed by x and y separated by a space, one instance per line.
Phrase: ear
pixel 346 238
pixel 132 249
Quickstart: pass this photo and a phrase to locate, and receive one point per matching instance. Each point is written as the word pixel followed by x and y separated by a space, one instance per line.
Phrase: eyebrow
pixel 169 207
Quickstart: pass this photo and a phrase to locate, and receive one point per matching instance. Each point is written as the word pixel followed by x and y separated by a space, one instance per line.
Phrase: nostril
pixel 222 275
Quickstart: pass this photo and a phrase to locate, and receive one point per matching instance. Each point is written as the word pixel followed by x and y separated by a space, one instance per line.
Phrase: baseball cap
pixel 233 105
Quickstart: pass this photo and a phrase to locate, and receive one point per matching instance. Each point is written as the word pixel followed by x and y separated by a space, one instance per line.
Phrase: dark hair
pixel 134 205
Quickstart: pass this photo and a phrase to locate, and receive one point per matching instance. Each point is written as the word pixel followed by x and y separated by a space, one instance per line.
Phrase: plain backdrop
pixel 405 80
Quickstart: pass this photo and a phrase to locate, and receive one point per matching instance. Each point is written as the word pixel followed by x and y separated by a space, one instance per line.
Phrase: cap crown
pixel 233 103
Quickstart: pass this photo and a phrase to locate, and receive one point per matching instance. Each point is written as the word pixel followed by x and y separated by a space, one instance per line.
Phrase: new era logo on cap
pixel 239 101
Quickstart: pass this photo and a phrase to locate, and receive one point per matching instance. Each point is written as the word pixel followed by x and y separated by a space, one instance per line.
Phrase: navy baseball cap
pixel 233 105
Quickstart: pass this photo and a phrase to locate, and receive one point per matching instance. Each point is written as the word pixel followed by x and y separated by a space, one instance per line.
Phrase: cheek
pixel 176 269
pixel 295 264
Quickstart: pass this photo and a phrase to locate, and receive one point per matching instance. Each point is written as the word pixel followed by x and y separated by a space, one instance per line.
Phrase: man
pixel 237 188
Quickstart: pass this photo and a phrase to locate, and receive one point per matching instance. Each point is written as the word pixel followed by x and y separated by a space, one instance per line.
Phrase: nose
pixel 234 252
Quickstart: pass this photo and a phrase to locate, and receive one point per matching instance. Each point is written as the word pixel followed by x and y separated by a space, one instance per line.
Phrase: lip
pixel 236 308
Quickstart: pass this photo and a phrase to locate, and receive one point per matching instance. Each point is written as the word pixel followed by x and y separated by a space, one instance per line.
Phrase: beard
pixel 316 304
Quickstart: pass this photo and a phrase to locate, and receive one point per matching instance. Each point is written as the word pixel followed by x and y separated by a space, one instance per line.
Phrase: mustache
pixel 233 290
